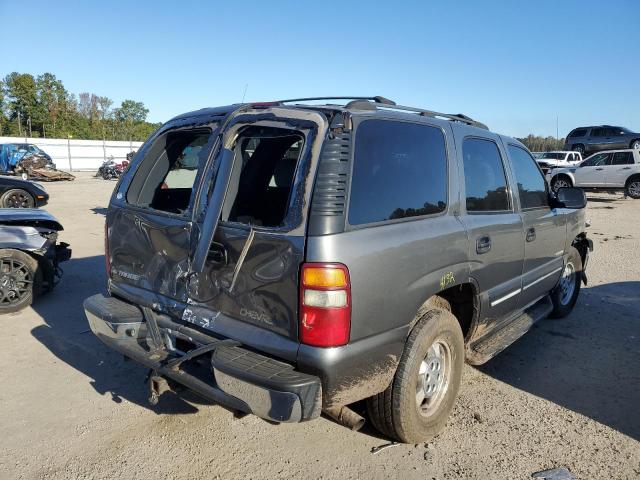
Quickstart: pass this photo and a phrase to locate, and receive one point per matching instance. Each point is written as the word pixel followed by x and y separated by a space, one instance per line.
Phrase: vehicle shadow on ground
pixel 609 199
pixel 587 362
pixel 66 334
pixel 99 211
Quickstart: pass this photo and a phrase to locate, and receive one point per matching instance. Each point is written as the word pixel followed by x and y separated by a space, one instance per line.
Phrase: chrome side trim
pixel 542 278
pixel 506 297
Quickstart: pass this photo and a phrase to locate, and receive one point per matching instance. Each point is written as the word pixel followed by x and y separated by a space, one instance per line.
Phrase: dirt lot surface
pixel 566 394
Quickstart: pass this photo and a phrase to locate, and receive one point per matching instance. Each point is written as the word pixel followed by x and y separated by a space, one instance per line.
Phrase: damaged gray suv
pixel 295 257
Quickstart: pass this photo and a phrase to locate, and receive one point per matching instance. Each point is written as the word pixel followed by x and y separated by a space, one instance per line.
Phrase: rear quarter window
pixel 399 171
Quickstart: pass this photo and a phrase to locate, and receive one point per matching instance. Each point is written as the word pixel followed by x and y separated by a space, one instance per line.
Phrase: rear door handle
pixel 531 234
pixel 217 254
pixel 483 244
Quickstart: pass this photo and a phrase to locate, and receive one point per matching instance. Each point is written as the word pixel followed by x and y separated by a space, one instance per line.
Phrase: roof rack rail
pixel 377 99
pixel 456 117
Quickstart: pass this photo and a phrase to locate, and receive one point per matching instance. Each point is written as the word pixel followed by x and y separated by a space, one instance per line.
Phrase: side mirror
pixel 570 197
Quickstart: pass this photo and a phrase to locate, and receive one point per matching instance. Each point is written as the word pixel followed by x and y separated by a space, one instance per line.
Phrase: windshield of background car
pixel 552 156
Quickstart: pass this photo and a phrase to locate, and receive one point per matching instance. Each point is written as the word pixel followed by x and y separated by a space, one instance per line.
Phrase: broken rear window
pixel 261 182
pixel 165 179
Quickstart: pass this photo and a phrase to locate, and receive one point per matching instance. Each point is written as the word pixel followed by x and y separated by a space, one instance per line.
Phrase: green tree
pixel 22 97
pixel 52 102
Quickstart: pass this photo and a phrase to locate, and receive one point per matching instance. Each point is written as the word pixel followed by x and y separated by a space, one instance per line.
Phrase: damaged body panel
pixel 35 233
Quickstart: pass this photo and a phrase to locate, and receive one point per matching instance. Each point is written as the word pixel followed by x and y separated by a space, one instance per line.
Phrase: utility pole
pixel 557 130
pixel 246 85
pixel 19 125
pixel 29 123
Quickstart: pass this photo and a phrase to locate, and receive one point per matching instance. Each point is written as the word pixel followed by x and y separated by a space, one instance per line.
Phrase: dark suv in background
pixel 318 255
pixel 603 137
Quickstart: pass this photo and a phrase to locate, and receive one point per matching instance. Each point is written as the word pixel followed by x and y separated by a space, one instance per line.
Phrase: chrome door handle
pixel 483 244
pixel 531 234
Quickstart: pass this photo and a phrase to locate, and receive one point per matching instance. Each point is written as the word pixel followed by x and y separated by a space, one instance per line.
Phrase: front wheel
pixel 633 188
pixel 17 198
pixel 579 148
pixel 20 278
pixel 635 144
pixel 416 406
pixel 565 294
pixel 560 182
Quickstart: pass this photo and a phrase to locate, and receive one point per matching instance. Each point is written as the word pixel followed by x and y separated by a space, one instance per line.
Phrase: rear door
pixel 544 228
pixel 620 169
pixel 250 269
pixel 495 231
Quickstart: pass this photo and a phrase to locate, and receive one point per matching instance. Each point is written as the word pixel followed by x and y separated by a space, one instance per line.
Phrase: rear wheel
pixel 635 144
pixel 560 181
pixel 565 294
pixel 17 198
pixel 20 277
pixel 416 406
pixel 632 189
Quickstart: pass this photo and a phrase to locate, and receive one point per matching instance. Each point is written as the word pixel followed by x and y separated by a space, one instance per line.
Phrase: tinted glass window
pixel 578 133
pixel 399 171
pixel 597 132
pixel 484 178
pixel 612 132
pixel 553 156
pixel 622 158
pixel 531 185
pixel 597 160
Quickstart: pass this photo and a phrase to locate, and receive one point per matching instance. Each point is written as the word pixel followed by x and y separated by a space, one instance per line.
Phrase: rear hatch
pixel 211 218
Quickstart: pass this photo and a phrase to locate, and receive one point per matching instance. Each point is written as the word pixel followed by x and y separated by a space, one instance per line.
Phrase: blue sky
pixel 514 65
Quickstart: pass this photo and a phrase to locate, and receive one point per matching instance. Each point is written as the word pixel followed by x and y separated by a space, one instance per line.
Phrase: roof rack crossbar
pixel 458 117
pixel 377 99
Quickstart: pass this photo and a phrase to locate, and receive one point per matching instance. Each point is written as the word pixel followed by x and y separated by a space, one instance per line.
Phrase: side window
pixel 484 177
pixel 531 185
pixel 597 132
pixel 597 160
pixel 622 158
pixel 262 179
pixel 165 178
pixel 578 133
pixel 399 171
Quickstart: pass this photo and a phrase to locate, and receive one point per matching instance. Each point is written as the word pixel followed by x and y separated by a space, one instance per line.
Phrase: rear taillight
pixel 325 304
pixel 107 257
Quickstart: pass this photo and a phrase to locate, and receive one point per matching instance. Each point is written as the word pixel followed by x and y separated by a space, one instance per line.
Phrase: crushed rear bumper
pixel 226 373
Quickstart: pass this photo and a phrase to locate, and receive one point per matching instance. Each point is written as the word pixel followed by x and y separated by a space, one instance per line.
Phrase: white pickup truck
pixel 611 170
pixel 549 160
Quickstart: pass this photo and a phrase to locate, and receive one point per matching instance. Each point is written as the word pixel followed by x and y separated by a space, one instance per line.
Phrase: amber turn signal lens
pixel 325 277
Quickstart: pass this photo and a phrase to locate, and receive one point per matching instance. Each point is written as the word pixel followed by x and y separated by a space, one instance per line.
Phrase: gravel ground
pixel 566 394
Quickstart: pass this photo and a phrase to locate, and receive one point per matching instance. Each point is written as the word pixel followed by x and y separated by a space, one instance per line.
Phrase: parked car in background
pixel 613 170
pixel 537 155
pixel 548 160
pixel 587 140
pixel 18 193
pixel 326 254
pixel 30 255
pixel 31 149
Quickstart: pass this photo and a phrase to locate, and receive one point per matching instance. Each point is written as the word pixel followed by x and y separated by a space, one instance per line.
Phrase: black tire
pixel 635 144
pixel 632 188
pixel 564 300
pixel 106 175
pixel 395 412
pixel 560 181
pixel 578 148
pixel 17 198
pixel 20 280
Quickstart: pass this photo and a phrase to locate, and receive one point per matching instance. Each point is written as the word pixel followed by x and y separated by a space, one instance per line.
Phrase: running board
pixel 486 348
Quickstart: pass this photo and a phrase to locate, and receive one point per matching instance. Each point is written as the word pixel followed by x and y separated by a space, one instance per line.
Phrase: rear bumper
pixel 230 375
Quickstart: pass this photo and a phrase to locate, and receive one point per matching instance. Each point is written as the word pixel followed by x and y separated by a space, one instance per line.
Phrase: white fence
pixel 70 154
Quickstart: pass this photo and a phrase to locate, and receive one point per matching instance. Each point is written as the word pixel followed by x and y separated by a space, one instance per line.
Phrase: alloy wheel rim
pixel 636 145
pixel 15 281
pixel 567 283
pixel 558 184
pixel 433 377
pixel 634 188
pixel 18 200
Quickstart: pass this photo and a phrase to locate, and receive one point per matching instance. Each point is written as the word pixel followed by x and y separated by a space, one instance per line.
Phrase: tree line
pixel 536 143
pixel 41 106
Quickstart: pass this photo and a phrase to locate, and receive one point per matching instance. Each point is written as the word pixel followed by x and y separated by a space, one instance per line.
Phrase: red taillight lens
pixel 325 304
pixel 107 257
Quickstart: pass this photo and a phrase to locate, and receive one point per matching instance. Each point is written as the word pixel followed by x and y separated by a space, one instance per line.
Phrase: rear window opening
pixel 165 179
pixel 262 178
